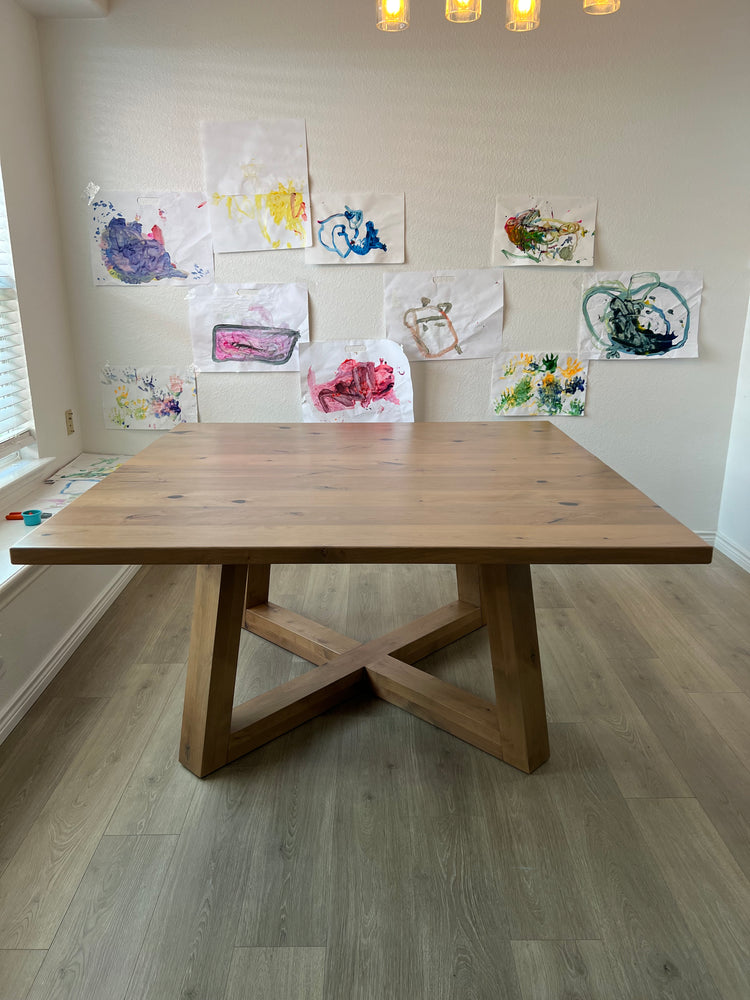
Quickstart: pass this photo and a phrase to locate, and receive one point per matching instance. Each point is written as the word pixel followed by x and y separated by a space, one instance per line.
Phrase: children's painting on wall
pixel 445 315
pixel 150 239
pixel 148 398
pixel 528 384
pixel 256 177
pixel 553 231
pixel 640 316
pixel 357 229
pixel 248 328
pixel 360 383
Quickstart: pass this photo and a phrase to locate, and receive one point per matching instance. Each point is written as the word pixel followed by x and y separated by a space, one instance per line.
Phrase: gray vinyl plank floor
pixel 368 855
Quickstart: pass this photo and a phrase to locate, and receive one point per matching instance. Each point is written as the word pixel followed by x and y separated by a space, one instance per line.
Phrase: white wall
pixel 41 622
pixel 734 518
pixel 645 109
pixel 38 251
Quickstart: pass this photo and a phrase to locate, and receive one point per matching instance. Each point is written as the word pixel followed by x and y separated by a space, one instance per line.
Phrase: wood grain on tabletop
pixel 429 492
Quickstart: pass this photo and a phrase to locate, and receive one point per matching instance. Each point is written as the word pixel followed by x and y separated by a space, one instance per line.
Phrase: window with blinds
pixel 16 417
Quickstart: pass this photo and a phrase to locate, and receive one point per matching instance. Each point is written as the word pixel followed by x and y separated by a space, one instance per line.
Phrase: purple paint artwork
pixel 142 240
pixel 134 258
pixel 272 345
pixel 355 382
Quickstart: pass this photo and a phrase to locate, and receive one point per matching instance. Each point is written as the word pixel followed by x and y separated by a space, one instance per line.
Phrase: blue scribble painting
pixel 357 229
pixel 150 239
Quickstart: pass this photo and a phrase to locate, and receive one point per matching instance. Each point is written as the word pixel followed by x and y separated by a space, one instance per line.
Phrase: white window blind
pixel 16 417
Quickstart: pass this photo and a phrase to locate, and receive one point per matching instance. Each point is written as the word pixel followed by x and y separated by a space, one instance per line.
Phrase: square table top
pixel 405 493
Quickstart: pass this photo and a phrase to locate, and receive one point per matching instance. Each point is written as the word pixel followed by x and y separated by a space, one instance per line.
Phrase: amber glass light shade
pixel 463 10
pixel 601 6
pixel 522 15
pixel 393 15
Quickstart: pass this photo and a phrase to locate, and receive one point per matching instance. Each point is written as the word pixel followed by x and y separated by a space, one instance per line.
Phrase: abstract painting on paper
pixel 445 315
pixel 360 383
pixel 553 231
pixel 248 328
pixel 88 466
pixel 141 239
pixel 529 384
pixel 640 316
pixel 148 398
pixel 357 229
pixel 256 177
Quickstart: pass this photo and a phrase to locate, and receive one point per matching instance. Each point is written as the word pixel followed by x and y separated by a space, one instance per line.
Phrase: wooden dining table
pixel 491 498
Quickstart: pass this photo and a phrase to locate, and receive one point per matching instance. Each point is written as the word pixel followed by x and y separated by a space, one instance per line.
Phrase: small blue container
pixel 31 517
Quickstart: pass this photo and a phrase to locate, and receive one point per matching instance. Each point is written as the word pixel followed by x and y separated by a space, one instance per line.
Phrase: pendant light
pixel 463 10
pixel 601 6
pixel 393 15
pixel 522 15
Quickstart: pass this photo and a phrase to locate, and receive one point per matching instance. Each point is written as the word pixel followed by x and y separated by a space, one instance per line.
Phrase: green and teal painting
pixel 646 315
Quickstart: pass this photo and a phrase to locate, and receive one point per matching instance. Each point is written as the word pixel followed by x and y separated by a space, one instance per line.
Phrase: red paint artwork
pixel 355 382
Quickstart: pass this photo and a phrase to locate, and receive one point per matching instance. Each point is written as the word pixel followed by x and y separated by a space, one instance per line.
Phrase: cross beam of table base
pixel 228 598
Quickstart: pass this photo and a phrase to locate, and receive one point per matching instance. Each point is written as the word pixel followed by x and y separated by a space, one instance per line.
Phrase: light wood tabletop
pixel 234 499
pixel 423 492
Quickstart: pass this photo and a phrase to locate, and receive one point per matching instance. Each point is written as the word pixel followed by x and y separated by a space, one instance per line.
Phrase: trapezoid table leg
pixel 218 612
pixel 467 584
pixel 508 605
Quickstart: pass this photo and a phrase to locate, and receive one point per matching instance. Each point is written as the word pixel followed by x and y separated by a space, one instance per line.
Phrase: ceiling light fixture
pixel 463 10
pixel 393 15
pixel 601 6
pixel 520 15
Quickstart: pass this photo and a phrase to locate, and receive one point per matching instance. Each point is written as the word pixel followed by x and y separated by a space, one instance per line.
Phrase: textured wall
pixel 644 109
pixel 35 236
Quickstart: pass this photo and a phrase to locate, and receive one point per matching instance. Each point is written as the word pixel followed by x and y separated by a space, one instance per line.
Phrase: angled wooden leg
pixel 212 667
pixel 258 579
pixel 467 582
pixel 508 604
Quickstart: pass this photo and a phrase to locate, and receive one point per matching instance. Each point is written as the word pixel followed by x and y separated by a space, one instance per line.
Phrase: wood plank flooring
pixel 369 855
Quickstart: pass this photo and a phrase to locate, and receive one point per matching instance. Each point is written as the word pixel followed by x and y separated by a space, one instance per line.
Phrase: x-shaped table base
pixel 230 597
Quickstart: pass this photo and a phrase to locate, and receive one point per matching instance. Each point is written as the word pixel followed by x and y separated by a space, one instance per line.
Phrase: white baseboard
pixel 707 536
pixel 735 552
pixel 26 697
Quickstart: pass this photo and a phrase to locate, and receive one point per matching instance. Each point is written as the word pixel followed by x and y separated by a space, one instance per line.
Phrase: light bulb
pixel 393 15
pixel 522 15
pixel 601 6
pixel 463 10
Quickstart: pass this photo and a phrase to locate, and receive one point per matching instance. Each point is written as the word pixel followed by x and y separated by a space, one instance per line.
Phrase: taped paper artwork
pixel 553 231
pixel 359 383
pixel 357 229
pixel 150 239
pixel 640 316
pixel 148 398
pixel 536 384
pixel 445 315
pixel 248 328
pixel 256 177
